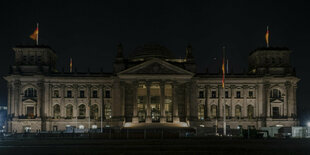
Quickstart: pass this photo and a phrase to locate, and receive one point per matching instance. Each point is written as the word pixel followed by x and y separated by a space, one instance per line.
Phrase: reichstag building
pixel 149 87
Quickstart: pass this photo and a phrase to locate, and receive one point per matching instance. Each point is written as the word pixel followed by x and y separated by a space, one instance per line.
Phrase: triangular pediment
pixel 276 101
pixel 155 67
pixel 29 100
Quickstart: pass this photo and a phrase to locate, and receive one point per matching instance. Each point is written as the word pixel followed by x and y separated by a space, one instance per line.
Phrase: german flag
pixel 35 34
pixel 267 37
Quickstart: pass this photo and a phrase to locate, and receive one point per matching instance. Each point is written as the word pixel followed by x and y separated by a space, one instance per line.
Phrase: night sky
pixel 89 32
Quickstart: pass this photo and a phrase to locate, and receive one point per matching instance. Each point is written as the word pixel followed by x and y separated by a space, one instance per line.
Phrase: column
pixel 75 95
pixel 206 113
pixel 267 100
pixel 62 101
pixel 231 101
pixel 176 118
pixel 17 105
pixel 220 104
pixel 88 101
pixel 286 107
pixel 135 118
pixel 294 110
pixel 245 109
pixel 148 103
pixel 9 99
pixel 102 106
pixel 187 100
pixel 162 102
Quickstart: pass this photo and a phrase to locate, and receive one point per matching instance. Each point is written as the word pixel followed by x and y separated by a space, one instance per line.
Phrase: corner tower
pixel 273 61
pixel 34 60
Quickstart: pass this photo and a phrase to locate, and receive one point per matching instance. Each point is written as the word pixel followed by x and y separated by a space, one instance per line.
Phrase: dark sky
pixel 89 31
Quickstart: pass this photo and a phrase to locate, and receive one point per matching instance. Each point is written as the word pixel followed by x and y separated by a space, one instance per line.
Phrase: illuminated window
pixel 82 111
pixel 238 111
pixel 250 111
pixel 69 111
pixel 201 112
pixel 94 111
pixel 213 111
pixel 56 111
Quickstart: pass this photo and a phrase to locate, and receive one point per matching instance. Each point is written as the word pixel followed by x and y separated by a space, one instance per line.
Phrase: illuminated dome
pixel 151 50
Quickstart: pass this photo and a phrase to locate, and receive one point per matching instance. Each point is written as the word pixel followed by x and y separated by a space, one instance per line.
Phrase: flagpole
pixel 223 92
pixel 37 41
pixel 267 38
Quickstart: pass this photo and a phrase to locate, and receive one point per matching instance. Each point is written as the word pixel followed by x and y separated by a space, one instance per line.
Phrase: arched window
pixel 238 111
pixel 227 111
pixel 201 110
pixel 250 111
pixel 69 111
pixel 275 93
pixel 82 111
pixel 30 92
pixel 213 111
pixel 56 111
pixel 94 111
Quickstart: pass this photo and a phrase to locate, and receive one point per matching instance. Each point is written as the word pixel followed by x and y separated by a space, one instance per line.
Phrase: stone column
pixel 294 104
pixel 206 113
pixel 75 93
pixel 245 109
pixel 88 100
pixel 9 86
pixel 62 102
pixel 176 118
pixel 231 102
pixel 286 107
pixel 187 100
pixel 102 106
pixel 267 93
pixel 148 103
pixel 220 104
pixel 17 105
pixel 135 118
pixel 162 102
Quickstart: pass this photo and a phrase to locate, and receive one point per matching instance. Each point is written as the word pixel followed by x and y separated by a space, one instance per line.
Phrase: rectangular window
pixel 30 112
pixel 95 94
pixel 226 94
pixel 213 94
pixel 107 94
pixel 82 94
pixel 201 94
pixel 69 93
pixel 275 112
pixel 238 94
pixel 250 93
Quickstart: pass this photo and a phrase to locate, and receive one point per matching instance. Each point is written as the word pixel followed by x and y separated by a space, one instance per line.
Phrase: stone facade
pixel 150 86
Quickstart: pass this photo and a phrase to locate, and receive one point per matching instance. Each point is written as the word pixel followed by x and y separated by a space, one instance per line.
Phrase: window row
pixel 214 112
pixel 215 95
pixel 81 111
pixel 82 94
